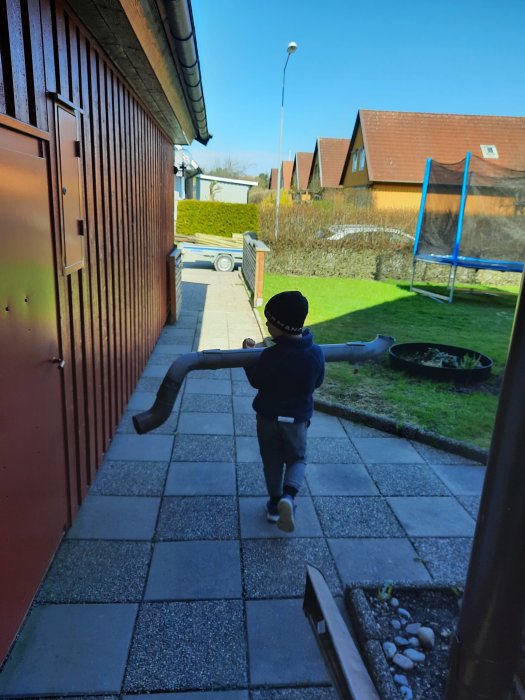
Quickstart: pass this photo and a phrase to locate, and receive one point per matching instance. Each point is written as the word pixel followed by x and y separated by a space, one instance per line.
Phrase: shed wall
pixel 112 303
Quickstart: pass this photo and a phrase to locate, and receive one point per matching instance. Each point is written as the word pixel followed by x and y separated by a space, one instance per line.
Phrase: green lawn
pixel 343 310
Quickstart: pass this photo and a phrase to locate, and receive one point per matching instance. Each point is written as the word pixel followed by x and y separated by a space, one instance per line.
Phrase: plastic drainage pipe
pixel 353 353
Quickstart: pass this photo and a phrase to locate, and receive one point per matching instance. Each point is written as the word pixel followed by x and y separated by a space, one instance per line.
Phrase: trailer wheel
pixel 224 263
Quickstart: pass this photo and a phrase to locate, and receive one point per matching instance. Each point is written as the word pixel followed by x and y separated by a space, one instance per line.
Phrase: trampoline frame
pixel 454 260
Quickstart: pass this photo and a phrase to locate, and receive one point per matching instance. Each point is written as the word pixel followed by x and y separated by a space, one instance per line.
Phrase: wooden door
pixel 33 489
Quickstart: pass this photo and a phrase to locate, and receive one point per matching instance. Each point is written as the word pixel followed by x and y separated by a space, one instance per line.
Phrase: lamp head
pixel 292 47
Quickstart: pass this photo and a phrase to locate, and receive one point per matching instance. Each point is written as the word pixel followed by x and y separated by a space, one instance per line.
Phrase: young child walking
pixel 285 375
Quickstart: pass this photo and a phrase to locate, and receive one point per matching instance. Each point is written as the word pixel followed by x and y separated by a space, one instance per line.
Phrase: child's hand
pixel 248 343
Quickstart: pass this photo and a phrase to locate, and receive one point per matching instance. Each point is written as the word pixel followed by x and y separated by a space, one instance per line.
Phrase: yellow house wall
pixel 406 197
pixel 360 177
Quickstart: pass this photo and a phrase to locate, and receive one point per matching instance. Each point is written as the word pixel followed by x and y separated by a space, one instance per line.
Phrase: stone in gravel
pixel 403 662
pixel 414 642
pixel 390 650
pixel 413 627
pixel 426 637
pixel 401 641
pixel 394 602
pixel 395 624
pixel 414 655
pixel 400 679
pixel 406 692
pixel 404 613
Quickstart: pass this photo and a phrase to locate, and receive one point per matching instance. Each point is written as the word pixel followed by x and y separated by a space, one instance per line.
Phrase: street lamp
pixel 292 48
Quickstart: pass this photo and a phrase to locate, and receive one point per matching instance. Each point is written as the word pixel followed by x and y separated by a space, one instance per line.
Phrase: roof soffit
pixel 131 33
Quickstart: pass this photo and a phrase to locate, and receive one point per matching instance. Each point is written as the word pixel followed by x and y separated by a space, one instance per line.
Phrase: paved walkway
pixel 171 584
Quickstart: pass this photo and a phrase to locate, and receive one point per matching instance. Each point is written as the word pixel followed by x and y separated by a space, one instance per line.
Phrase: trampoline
pixel 471 216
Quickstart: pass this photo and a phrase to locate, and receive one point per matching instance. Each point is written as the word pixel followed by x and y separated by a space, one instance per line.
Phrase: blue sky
pixel 450 56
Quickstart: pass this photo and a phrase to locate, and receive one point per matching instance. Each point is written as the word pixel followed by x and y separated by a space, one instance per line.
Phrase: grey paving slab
pixel 204 478
pixel 250 479
pixel 166 428
pixel 332 451
pixel 366 560
pixel 434 456
pixel 276 568
pixel 356 516
pixel 462 480
pixel 254 523
pixel 162 356
pixel 203 448
pixel 238 374
pixel 407 480
pixel 206 423
pixel 130 479
pixel 116 518
pixel 245 424
pixel 340 480
pixel 175 333
pixel 429 516
pixel 374 450
pixel 295 659
pixel 323 425
pixel 97 572
pixel 446 558
pixel 218 403
pixel 188 645
pixel 242 404
pixel 243 388
pixel 159 367
pixel 198 518
pixel 173 345
pixel 204 695
pixel 67 649
pixel 149 383
pixel 194 570
pixel 294 694
pixel 141 400
pixel 147 448
pixel 470 504
pixel 353 430
pixel 208 386
pixel 223 373
pixel 247 449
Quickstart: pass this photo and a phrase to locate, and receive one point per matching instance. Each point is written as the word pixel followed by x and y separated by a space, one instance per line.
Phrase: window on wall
pixel 362 159
pixel 355 156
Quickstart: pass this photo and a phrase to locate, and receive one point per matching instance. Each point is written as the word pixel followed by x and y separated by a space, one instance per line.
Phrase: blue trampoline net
pixel 474 218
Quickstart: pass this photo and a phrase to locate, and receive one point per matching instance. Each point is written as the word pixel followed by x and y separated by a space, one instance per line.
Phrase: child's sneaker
pixel 272 514
pixel 286 508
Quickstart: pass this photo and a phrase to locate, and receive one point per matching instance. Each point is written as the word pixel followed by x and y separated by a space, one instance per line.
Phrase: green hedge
pixel 215 218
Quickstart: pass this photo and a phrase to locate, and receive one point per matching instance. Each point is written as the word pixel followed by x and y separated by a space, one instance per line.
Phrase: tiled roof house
pixel 327 163
pixel 286 174
pixel 302 166
pixel 272 182
pixel 389 150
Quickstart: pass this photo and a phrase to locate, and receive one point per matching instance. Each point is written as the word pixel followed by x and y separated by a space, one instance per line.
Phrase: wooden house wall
pixel 112 303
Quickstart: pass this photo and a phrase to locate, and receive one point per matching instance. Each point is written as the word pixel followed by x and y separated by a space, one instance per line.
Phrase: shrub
pixel 215 218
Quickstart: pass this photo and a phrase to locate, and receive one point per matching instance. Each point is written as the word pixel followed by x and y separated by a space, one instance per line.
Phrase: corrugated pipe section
pixel 214 359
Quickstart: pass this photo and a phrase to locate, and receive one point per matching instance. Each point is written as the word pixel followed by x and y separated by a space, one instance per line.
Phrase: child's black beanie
pixel 287 311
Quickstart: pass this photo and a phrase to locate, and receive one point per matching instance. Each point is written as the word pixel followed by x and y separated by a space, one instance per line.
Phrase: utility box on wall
pixel 175 283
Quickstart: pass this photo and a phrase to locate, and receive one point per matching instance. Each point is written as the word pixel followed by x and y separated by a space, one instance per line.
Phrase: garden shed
pixel 92 98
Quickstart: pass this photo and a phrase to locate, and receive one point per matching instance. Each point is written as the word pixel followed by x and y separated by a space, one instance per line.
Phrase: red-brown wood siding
pixel 111 310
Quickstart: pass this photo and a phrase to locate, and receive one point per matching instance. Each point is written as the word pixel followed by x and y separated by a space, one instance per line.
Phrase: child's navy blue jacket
pixel 286 376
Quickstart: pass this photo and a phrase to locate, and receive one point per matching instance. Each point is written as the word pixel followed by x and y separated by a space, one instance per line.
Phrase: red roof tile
pixel 397 144
pixel 301 169
pixel 272 185
pixel 332 155
pixel 286 174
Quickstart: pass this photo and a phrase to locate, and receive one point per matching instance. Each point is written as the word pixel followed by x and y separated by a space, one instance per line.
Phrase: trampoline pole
pixel 485 646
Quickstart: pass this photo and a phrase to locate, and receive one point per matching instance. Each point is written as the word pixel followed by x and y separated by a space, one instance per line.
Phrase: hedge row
pixel 320 261
pixel 215 218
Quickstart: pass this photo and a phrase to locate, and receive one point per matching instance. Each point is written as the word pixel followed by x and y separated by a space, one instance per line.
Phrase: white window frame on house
pixel 362 159
pixel 355 160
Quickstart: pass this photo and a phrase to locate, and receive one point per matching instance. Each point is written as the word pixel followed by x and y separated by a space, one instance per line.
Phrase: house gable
pixel 301 170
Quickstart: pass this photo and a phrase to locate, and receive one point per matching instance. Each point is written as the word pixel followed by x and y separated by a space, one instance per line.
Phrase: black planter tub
pixel 413 358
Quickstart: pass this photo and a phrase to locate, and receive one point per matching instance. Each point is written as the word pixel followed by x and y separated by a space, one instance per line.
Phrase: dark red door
pixel 33 493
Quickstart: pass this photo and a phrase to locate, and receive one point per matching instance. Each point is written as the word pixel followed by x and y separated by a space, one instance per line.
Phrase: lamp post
pixel 292 48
